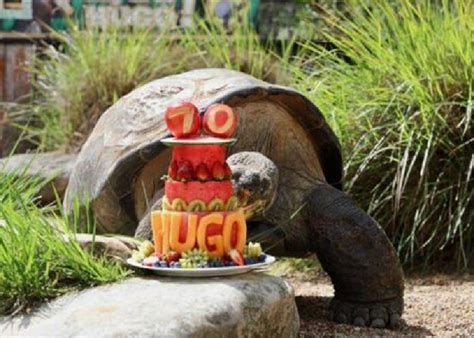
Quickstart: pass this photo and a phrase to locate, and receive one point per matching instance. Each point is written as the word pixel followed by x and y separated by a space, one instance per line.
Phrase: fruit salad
pixel 197 258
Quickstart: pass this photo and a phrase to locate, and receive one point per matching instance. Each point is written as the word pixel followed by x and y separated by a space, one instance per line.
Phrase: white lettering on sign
pixel 126 16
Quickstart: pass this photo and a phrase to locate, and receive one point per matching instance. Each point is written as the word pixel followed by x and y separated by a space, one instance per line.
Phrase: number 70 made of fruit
pixel 184 121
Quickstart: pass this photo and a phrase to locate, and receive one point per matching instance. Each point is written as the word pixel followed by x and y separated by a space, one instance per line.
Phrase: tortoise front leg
pixel 359 258
pixel 144 230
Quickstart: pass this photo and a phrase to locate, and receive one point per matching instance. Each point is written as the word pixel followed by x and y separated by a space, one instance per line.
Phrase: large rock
pixel 52 168
pixel 250 305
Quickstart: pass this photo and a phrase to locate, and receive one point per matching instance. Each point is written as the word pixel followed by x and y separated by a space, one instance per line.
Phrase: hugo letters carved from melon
pixel 215 232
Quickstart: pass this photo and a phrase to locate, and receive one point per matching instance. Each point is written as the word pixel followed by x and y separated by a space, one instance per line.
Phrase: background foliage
pixel 403 109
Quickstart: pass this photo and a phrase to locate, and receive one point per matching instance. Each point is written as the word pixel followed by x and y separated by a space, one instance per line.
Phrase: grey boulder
pixel 249 305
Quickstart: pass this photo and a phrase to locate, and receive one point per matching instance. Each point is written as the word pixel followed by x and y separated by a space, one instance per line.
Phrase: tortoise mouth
pixel 254 209
pixel 251 204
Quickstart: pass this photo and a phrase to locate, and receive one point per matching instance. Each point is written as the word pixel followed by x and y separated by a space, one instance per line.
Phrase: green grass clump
pixel 403 110
pixel 39 257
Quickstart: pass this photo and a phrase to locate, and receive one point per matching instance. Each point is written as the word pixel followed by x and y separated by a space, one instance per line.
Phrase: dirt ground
pixel 437 305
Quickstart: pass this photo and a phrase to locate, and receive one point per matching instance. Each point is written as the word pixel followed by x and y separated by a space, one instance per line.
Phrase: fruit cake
pixel 199 179
pixel 200 218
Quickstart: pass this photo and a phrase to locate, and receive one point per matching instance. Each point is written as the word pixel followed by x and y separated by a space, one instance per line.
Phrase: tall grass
pixel 75 86
pixel 403 109
pixel 92 69
pixel 37 259
pixel 241 49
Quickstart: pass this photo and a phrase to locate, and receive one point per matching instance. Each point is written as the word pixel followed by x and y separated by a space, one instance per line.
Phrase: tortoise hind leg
pixel 358 257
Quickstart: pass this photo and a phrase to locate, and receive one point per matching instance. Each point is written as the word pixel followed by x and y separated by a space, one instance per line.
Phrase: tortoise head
pixel 255 180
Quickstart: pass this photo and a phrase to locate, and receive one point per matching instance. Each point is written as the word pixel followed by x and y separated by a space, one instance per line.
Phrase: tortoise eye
pixel 236 174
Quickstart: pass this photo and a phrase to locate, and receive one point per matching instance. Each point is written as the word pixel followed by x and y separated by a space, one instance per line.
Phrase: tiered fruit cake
pixel 201 224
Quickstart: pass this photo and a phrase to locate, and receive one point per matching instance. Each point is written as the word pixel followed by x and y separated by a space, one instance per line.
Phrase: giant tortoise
pixel 287 163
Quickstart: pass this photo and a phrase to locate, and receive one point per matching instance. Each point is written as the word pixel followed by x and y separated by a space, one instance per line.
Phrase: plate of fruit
pixel 197 262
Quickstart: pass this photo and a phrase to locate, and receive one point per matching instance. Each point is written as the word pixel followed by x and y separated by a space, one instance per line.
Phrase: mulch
pixel 434 306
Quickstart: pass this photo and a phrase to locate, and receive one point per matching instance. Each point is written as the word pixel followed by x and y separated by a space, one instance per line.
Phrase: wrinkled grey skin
pixel 255 181
pixel 351 246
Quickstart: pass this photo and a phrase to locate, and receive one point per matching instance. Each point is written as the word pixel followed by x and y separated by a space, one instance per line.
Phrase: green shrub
pixel 403 109
pixel 37 260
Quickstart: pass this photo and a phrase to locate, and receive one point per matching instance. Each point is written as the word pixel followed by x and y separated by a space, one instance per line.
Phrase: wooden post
pixel 17 50
pixel 2 70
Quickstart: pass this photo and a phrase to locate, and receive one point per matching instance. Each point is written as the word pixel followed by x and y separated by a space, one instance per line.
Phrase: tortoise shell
pixel 120 166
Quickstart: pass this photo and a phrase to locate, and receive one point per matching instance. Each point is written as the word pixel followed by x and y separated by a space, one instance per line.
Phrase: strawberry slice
pixel 173 256
pixel 236 257
pixel 218 171
pixel 185 171
pixel 173 170
pixel 202 173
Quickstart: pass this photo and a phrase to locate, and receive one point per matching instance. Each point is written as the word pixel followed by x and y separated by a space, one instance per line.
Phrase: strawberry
pixel 236 257
pixel 185 171
pixel 218 171
pixel 173 256
pixel 202 173
pixel 173 170
pixel 227 171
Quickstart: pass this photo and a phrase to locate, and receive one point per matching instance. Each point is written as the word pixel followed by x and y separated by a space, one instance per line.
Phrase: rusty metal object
pixel 16 52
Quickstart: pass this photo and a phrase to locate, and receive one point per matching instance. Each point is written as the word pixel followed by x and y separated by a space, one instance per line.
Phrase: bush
pixel 242 50
pixel 402 107
pixel 36 261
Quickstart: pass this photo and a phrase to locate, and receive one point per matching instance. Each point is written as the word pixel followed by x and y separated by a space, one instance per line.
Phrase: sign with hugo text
pixel 136 13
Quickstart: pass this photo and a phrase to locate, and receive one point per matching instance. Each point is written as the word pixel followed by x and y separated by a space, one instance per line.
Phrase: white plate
pixel 207 140
pixel 203 272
